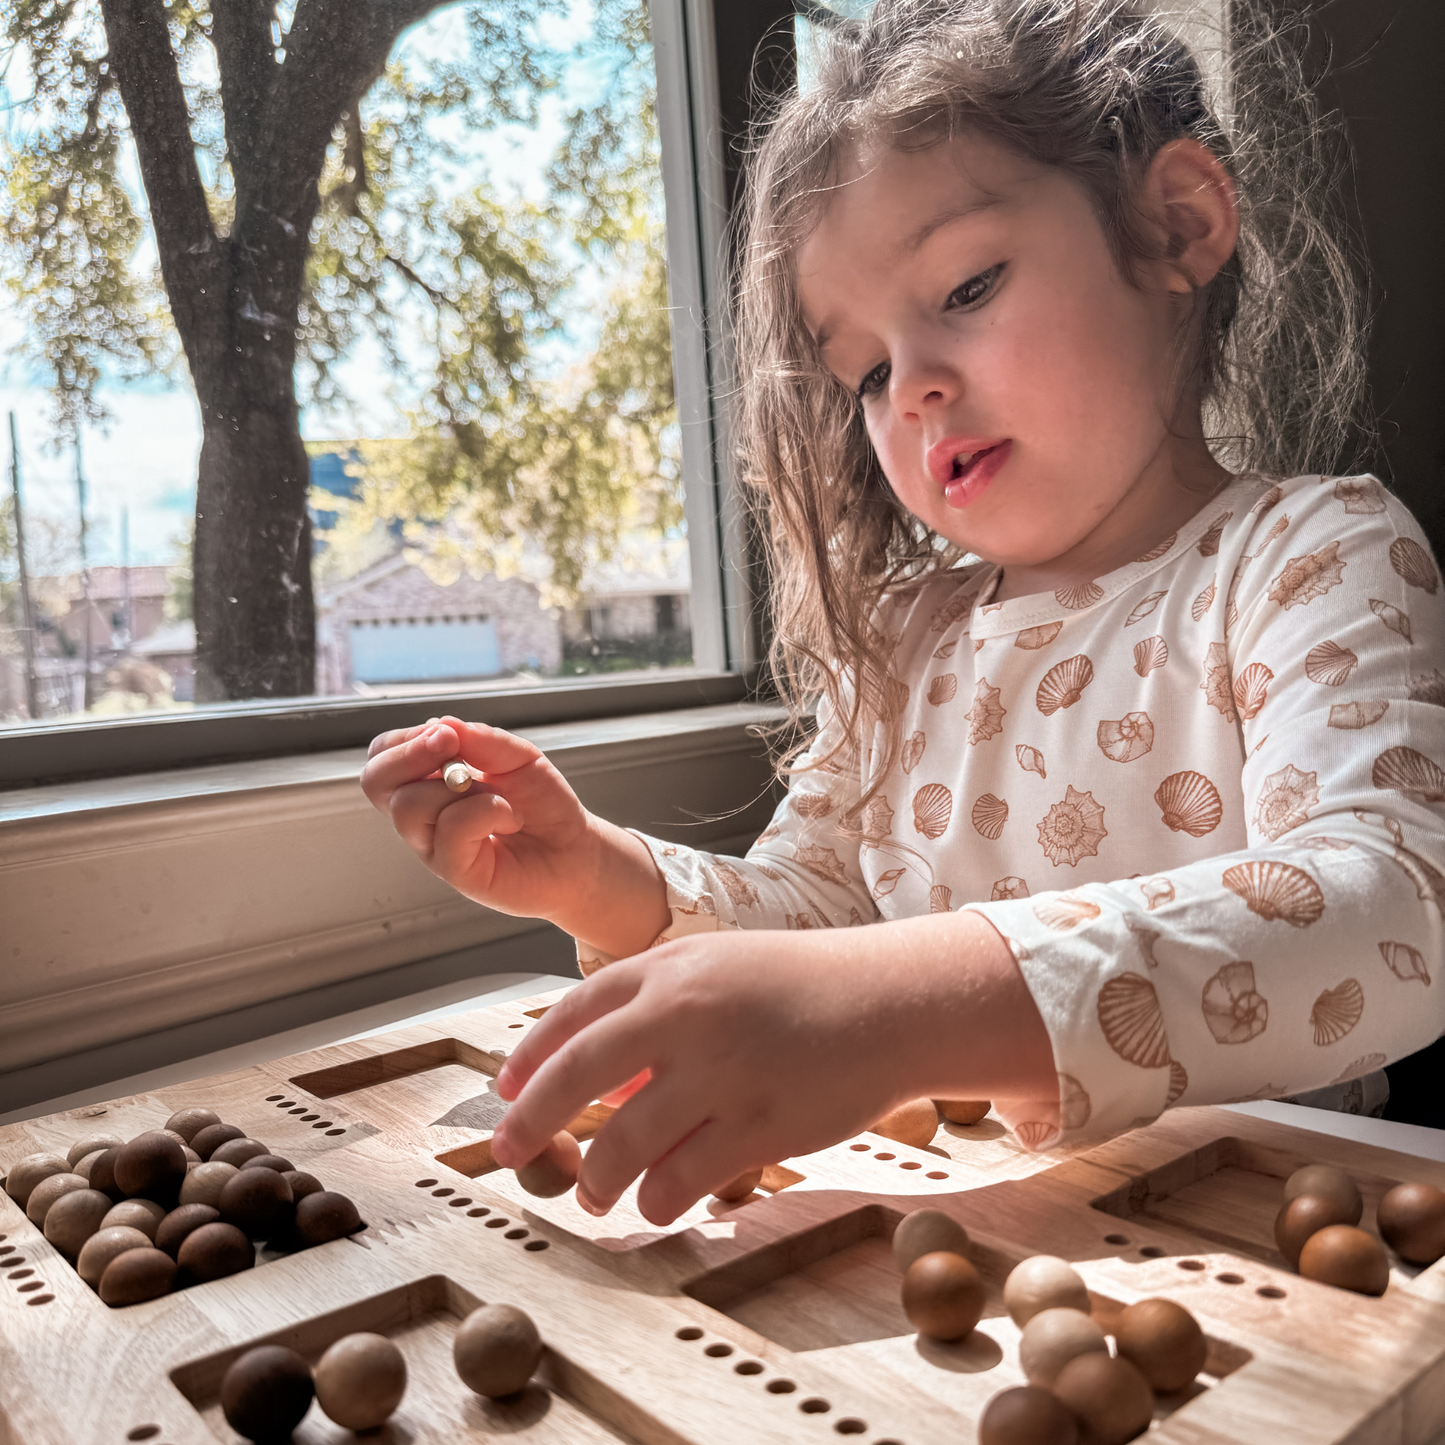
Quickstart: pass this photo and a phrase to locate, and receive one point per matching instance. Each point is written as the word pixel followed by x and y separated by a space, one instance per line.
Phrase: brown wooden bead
pixel 360 1381
pixel 1163 1341
pixel 1346 1257
pixel 238 1151
pixel 26 1173
pixel 1111 1398
pixel 269 1161
pixel 142 1214
pixel 137 1275
pixel 1411 1218
pixel 302 1183
pixel 203 1185
pixel 1027 1415
pixel 914 1123
pixel 189 1122
pixel 74 1217
pixel 266 1392
pixel 214 1251
pixel 173 1229
pixel 963 1111
pixel 554 1171
pixel 258 1202
pixel 102 1247
pixel 943 1295
pixel 1302 1216
pixel 91 1144
pixel 102 1173
pixel 47 1191
pixel 1332 1183
pixel 736 1190
pixel 323 1217
pixel 496 1349
pixel 923 1232
pixel 206 1141
pixel 152 1165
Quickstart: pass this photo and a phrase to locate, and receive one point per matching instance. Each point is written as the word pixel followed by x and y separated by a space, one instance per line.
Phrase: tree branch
pixel 245 56
pixel 144 66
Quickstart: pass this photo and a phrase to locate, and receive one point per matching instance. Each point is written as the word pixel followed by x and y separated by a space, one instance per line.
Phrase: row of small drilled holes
pixel 496 1222
pixel 9 1259
pixel 292 1107
pixel 1152 1251
pixel 907 1163
pixel 813 1405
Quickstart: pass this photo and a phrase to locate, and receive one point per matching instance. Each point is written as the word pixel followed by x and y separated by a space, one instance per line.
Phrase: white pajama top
pixel 1201 797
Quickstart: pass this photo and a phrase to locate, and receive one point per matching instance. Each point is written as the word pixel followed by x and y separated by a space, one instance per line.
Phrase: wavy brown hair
pixel 1094 88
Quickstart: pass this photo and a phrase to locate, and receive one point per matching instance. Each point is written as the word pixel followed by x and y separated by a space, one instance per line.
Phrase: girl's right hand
pixel 519 840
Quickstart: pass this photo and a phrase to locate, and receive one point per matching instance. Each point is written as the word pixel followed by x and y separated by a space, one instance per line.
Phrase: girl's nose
pixel 920 384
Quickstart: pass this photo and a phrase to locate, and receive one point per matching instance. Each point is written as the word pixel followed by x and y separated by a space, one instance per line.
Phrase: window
pixel 494 329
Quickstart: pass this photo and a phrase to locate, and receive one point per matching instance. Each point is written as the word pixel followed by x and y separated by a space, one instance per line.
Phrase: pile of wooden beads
pixel 173 1207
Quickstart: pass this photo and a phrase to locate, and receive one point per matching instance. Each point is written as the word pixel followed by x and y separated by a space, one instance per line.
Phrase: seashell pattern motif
pixel 1064 684
pixel 1270 499
pixel 1414 564
pixel 885 883
pixel 1359 1068
pixel 740 892
pixel 1133 1022
pixel 1330 664
pixel 1428 880
pixel 822 863
pixel 989 815
pixel 1209 542
pixel 1411 773
pixel 1337 1010
pixel 1217 688
pixel 1072 829
pixel 1356 715
pixel 1281 526
pixel 1178 1082
pixel 1361 495
pixel 912 752
pixel 985 717
pixel 812 805
pixel 1277 892
pixel 1234 1009
pixel 1428 687
pixel 1074 1103
pixel 1157 892
pixel 1146 938
pixel 1009 888
pixel 877 822
pixel 1079 596
pixel 1159 549
pixel 1250 690
pixel 1033 638
pixel 932 809
pixel 1393 618
pixel 1031 760
pixel 943 689
pixel 1035 1133
pixel 1130 737
pixel 1203 602
pixel 1151 653
pixel 1284 801
pixel 957 606
pixel 1064 912
pixel 1405 962
pixel 946 651
pixel 940 898
pixel 1145 608
pixel 1189 803
pixel 1305 578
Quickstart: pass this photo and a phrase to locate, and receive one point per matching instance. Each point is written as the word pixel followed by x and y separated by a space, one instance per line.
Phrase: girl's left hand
pixel 764 1045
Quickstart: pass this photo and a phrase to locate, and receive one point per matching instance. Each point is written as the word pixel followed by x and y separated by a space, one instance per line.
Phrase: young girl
pixel 1143 808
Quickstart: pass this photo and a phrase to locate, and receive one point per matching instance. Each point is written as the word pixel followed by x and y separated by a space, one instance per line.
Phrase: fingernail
pixel 431 722
pixel 588 1203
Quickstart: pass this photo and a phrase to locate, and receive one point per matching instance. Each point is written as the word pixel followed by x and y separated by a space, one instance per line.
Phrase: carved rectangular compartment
pixel 833 1294
pixel 574 1408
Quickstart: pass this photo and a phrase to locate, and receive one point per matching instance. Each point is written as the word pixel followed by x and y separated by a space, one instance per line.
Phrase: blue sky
pixel 144 457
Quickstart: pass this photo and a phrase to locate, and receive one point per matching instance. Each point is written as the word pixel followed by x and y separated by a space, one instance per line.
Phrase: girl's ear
pixel 1190 198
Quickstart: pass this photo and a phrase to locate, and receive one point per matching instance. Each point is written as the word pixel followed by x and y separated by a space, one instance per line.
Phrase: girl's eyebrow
pixel 914 241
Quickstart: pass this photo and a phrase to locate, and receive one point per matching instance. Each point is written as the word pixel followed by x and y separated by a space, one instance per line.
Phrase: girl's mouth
pixel 965 471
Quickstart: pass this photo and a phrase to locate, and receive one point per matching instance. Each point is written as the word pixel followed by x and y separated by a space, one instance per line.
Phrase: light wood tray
pixel 773 1320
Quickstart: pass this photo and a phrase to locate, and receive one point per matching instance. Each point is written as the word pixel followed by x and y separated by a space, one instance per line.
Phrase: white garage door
pixel 424 649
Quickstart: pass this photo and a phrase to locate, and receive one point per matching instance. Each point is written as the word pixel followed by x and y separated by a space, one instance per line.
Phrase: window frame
pixel 721 601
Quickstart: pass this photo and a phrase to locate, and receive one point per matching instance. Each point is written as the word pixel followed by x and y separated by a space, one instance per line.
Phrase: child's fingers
pixel 490 749
pixel 408 762
pixel 640 1134
pixel 699 1164
pixel 396 736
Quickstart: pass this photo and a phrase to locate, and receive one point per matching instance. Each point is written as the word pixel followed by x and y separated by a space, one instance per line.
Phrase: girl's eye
pixel 875 381
pixel 976 287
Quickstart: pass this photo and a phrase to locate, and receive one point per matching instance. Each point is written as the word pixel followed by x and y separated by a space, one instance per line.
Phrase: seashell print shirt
pixel 1200 798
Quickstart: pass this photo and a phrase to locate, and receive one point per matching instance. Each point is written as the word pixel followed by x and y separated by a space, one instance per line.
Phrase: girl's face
pixel 1016 387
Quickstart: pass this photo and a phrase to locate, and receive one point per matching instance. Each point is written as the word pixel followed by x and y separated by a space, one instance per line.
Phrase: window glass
pixel 322 396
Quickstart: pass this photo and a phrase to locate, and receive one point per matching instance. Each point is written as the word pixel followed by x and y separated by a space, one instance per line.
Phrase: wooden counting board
pixel 773 1320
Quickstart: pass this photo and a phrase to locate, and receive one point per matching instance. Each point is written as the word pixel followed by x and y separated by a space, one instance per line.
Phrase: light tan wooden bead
pixel 74 1217
pixel 554 1171
pixel 142 1214
pixel 924 1231
pixel 360 1381
pixel 1041 1283
pixel 457 776
pixel 91 1144
pixel 739 1188
pixel 26 1173
pixel 914 1123
pixel 48 1191
pixel 1330 1183
pixel 1054 1337
pixel 185 1124
pixel 102 1247
pixel 203 1184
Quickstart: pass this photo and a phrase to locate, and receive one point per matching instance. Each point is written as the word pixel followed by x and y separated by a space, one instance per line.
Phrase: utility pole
pixel 84 571
pixel 27 622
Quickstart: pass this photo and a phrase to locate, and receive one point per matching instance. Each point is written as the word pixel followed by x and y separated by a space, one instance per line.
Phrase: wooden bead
pixel 1052 1338
pixel 923 1232
pixel 29 1171
pixel 1040 1283
pixel 963 1111
pixel 943 1295
pixel 269 1161
pixel 214 1251
pixel 74 1217
pixel 1332 1183
pixel 238 1151
pixel 914 1123
pixel 554 1171
pixel 360 1380
pixel 496 1349
pixel 206 1140
pixel 457 776
pixel 738 1189
pixel 203 1185
pixel 47 1191
pixel 323 1217
pixel 302 1183
pixel 1027 1415
pixel 152 1165
pixel 102 1247
pixel 1302 1216
pixel 1111 1398
pixel 189 1122
pixel 91 1144
pixel 86 1163
pixel 266 1392
pixel 258 1202
pixel 1163 1341
pixel 1411 1218
pixel 173 1229
pixel 102 1173
pixel 142 1214
pixel 1346 1257
pixel 137 1275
